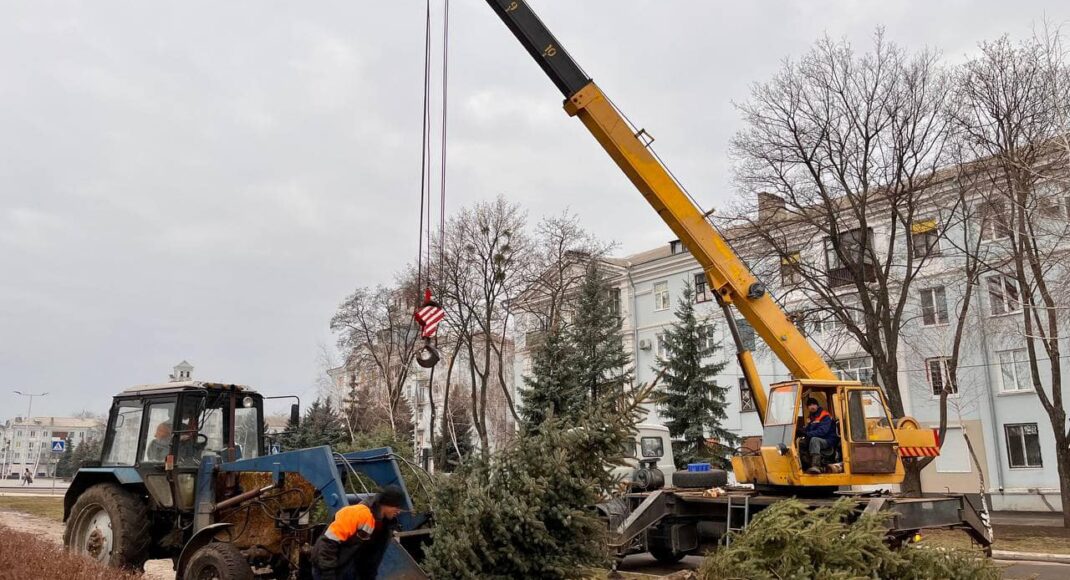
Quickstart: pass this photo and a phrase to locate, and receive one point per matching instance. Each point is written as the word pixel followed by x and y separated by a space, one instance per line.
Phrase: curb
pixel 1030 556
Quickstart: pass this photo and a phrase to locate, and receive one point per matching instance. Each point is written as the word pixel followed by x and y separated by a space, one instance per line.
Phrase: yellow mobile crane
pixel 871 441
pixel 673 522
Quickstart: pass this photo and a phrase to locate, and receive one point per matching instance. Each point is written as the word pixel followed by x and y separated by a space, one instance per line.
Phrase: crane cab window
pixel 652 446
pixel 869 418
pixel 782 406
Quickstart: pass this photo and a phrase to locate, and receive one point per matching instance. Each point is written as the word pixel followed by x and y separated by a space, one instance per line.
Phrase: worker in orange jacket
pixel 354 543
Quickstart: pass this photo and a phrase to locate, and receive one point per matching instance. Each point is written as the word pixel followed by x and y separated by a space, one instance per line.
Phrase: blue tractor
pixel 185 475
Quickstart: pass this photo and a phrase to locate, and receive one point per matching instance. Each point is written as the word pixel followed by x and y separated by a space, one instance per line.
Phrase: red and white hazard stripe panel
pixel 429 317
pixel 919 451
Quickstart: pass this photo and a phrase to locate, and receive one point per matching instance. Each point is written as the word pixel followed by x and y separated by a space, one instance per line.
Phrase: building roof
pixel 184 386
pixel 662 251
pixel 70 422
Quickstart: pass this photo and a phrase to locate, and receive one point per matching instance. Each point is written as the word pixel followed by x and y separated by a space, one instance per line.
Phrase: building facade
pixel 27 443
pixel 996 425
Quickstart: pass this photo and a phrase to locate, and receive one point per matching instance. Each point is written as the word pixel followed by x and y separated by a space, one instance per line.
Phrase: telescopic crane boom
pixel 875 444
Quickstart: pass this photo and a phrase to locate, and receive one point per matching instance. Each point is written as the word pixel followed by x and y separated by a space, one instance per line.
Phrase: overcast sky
pixel 208 180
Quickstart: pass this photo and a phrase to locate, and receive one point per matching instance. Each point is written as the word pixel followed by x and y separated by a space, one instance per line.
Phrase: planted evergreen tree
pixel 553 389
pixel 600 362
pixel 65 467
pixel 454 443
pixel 321 425
pixel 693 403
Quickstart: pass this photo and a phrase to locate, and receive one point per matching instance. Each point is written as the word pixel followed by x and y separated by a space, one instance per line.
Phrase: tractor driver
pixel 160 445
pixel 190 448
pixel 354 544
pixel 820 437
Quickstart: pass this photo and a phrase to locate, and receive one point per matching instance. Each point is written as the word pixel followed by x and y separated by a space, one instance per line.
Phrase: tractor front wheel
pixel 218 561
pixel 110 525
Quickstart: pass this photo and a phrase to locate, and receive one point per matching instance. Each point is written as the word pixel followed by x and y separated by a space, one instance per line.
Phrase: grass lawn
pixel 1046 539
pixel 50 507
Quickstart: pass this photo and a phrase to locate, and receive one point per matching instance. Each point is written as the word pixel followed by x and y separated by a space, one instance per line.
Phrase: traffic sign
pixel 275 449
pixel 58 445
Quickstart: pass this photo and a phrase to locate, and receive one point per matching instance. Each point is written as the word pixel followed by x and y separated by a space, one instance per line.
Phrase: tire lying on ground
pixel 110 525
pixel 700 479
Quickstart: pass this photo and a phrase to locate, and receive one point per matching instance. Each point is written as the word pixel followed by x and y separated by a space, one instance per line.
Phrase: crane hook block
pixel 428 356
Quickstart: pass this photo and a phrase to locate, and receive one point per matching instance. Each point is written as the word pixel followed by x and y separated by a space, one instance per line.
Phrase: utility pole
pixel 29 408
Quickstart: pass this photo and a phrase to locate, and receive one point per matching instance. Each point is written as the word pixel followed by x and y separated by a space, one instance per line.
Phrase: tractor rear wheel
pixel 110 525
pixel 218 561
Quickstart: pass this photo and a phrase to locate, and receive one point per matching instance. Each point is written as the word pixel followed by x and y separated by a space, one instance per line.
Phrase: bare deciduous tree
pixel 484 258
pixel 562 251
pixel 1013 114
pixel 375 326
pixel 846 149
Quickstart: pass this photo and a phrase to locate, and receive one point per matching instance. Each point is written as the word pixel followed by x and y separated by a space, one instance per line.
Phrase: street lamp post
pixel 29 408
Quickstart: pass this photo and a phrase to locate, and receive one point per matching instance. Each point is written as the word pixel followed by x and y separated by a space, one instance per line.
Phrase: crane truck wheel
pixel 700 479
pixel 218 561
pixel 110 525
pixel 665 554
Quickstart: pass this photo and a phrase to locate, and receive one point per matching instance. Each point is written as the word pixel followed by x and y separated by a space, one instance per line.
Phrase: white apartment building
pixel 996 406
pixel 27 443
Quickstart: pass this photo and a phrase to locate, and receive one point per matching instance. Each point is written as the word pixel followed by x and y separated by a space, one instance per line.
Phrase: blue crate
pixel 698 467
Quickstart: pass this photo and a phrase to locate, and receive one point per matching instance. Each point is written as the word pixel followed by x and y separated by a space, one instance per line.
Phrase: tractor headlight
pixel 248 402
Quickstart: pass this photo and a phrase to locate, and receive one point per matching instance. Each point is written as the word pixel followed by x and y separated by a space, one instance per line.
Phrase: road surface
pixel 646 564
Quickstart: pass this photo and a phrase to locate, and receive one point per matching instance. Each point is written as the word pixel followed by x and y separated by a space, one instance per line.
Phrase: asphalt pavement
pixel 646 564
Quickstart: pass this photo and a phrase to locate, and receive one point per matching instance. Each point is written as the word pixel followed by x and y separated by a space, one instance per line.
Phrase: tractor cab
pixel 163 431
pixel 866 451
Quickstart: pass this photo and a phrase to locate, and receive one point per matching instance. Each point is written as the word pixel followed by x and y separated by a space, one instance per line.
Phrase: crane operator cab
pixel 162 432
pixel 829 434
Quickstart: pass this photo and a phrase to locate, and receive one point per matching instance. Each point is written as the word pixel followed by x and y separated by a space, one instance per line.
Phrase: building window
pixel 1023 445
pixel 661 296
pixel 939 377
pixel 954 454
pixel 1003 296
pixel 746 398
pixel 925 238
pixel 662 349
pixel 705 339
pixel 856 247
pixel 995 224
pixel 702 291
pixel 614 302
pixel 1014 370
pixel 934 306
pixel 790 271
pixel 854 369
pixel 677 247
pixel 746 334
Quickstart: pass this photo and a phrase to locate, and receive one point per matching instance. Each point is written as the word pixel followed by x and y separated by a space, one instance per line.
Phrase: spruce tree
pixel 553 388
pixel 693 404
pixel 599 359
pixel 321 425
pixel 65 467
pixel 448 457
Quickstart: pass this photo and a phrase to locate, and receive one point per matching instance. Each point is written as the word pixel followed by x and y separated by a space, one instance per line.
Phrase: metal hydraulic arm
pixel 729 278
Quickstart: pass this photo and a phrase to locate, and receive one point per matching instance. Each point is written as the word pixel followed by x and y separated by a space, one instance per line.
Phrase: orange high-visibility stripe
pixel 349 520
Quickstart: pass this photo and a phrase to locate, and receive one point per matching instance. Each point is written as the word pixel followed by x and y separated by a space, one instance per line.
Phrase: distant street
pixel 40 486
